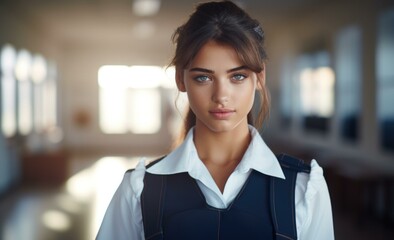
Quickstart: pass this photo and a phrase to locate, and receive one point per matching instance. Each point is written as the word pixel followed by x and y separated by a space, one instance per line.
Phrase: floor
pixel 74 210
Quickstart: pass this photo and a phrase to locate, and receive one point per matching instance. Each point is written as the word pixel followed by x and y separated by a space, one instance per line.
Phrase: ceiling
pixel 114 21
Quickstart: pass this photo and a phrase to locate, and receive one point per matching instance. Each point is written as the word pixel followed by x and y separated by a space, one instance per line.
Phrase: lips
pixel 222 113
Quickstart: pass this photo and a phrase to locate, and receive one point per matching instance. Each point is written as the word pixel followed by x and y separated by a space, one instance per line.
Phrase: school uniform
pixel 124 220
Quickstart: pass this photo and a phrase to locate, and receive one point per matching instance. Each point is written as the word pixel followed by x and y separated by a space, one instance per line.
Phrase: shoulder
pixel 123 217
pixel 151 163
pixel 133 179
pixel 310 186
pixel 290 163
pixel 312 200
pixel 310 183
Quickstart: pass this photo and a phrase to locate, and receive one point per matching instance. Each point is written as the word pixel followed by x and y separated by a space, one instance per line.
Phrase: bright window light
pixel 144 118
pixel 39 79
pixel 23 68
pixel 112 110
pixel 130 99
pixel 317 91
pixel 25 110
pixel 39 110
pixel 169 79
pixel 56 220
pixel 8 90
pixel 50 102
pixel 38 69
pixel 307 94
pixel 23 65
pixel 113 76
pixel 8 58
pixel 8 105
pixel 145 77
pixel 112 81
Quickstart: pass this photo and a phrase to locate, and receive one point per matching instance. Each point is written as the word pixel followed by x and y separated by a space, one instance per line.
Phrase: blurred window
pixel 348 64
pixel 8 90
pixel 316 90
pixel 286 92
pixel 49 100
pixel 24 100
pixel 7 112
pixel 385 78
pixel 130 99
pixel 38 76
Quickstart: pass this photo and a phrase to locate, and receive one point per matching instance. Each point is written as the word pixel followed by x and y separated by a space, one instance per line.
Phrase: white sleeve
pixel 313 206
pixel 123 218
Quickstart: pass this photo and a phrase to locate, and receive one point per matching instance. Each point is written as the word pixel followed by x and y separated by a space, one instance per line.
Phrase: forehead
pixel 213 54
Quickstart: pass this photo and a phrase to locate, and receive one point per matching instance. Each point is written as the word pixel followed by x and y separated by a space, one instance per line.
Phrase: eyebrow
pixel 197 69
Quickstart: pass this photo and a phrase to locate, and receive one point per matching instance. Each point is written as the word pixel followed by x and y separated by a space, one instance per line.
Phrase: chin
pixel 223 128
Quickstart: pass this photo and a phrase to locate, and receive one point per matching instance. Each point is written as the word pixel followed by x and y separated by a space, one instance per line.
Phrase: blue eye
pixel 202 78
pixel 238 77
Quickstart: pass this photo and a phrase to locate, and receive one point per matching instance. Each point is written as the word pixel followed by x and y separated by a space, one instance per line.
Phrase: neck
pixel 222 148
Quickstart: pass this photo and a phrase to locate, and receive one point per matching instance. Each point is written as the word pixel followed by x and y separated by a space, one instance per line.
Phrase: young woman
pixel 222 182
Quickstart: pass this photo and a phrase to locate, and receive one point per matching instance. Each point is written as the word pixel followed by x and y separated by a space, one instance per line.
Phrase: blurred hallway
pixel 84 83
pixel 68 211
pixel 74 210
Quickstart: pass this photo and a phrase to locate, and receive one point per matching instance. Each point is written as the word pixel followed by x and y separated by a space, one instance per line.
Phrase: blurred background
pixel 84 94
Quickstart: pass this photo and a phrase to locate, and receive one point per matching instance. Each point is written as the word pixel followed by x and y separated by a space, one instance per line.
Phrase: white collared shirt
pixel 123 218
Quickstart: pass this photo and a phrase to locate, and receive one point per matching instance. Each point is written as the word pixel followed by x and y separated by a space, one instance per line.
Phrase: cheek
pixel 247 93
pixel 197 96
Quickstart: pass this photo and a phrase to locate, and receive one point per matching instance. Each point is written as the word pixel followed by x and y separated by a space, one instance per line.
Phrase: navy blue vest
pixel 173 207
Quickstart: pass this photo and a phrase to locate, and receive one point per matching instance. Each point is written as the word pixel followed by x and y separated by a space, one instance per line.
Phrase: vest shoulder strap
pixel 282 197
pixel 148 165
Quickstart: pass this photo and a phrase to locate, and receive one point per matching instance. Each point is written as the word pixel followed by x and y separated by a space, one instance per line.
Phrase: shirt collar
pixel 185 159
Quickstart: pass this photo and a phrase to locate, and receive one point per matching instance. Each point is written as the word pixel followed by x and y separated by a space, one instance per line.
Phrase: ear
pixel 179 80
pixel 261 78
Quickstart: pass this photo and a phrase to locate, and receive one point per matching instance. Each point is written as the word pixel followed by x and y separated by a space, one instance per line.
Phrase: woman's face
pixel 219 87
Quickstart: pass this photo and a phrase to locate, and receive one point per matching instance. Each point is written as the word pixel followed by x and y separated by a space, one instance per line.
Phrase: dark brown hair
pixel 226 23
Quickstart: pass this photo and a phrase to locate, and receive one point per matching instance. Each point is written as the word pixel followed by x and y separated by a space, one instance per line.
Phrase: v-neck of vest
pixel 228 208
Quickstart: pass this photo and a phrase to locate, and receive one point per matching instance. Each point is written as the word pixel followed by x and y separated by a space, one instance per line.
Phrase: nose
pixel 220 92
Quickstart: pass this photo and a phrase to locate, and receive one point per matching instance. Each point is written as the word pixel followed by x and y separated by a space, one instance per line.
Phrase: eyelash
pixel 234 78
pixel 200 80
